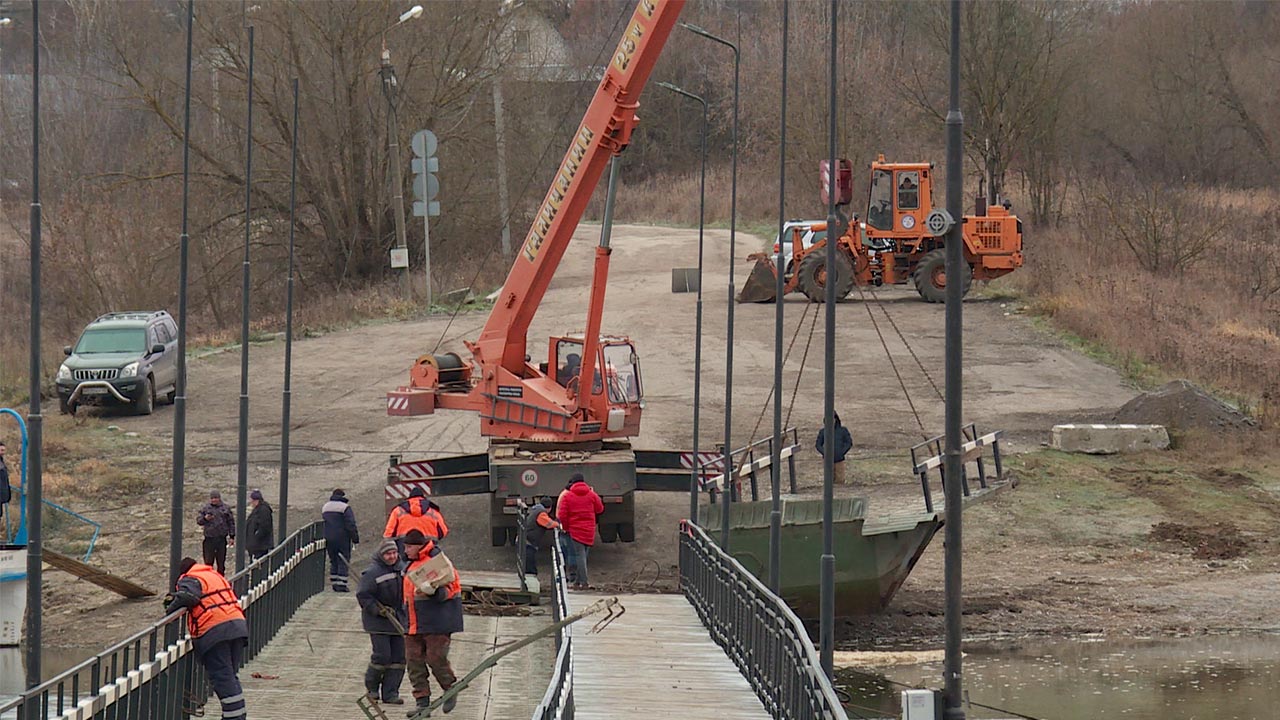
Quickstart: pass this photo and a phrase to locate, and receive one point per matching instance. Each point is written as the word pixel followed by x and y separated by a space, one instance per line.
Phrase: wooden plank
pixel 95 575
pixel 656 660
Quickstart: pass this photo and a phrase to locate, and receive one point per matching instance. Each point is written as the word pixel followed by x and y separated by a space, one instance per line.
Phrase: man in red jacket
pixel 577 509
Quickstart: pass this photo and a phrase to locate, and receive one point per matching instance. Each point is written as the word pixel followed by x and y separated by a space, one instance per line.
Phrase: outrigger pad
pixel 761 284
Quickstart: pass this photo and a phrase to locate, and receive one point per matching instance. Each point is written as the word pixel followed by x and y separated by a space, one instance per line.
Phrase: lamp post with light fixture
pixel 390 85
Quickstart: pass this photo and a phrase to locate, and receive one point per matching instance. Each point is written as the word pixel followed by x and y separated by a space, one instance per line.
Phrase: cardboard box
pixel 435 573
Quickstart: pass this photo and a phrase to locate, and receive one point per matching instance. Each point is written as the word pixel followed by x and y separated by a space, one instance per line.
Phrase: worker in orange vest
pixel 416 513
pixel 216 622
pixel 432 621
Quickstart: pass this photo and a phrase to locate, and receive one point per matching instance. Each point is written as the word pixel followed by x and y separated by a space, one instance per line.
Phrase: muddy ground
pixel 1070 551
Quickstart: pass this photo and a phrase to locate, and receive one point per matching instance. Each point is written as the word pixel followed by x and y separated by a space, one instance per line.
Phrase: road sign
pixel 426 187
pixel 424 143
pixel 420 208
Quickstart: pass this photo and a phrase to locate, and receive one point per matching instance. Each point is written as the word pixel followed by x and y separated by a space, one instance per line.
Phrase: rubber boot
pixel 421 707
pixel 373 679
pixel 391 686
pixel 449 704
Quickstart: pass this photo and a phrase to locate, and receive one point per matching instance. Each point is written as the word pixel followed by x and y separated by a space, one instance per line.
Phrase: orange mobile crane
pixel 542 423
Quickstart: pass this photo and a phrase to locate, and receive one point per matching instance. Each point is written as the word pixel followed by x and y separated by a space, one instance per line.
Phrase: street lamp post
pixel 733 252
pixel 827 564
pixel 697 343
pixel 390 84
pixel 775 460
pixel 242 468
pixel 35 420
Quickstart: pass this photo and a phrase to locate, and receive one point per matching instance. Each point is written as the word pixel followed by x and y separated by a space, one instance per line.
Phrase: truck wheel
pixel 627 532
pixel 609 533
pixel 147 402
pixel 498 536
pixel 930 277
pixel 813 276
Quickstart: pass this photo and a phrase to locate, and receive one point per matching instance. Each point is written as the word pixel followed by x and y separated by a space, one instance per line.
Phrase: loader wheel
pixel 813 276
pixel 930 277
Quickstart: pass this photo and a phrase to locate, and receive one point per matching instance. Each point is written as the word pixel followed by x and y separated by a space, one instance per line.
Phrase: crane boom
pixel 605 131
pixel 519 400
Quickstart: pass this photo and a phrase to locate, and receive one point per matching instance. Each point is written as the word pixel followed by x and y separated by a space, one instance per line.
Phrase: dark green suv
pixel 124 358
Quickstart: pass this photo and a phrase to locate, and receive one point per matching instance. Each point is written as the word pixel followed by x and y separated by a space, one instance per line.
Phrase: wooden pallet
pixel 97 576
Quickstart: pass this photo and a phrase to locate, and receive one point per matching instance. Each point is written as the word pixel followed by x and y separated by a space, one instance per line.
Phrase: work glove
pixel 385 611
pixel 168 602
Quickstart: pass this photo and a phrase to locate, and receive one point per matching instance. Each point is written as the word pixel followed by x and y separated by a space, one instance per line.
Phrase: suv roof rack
pixel 131 315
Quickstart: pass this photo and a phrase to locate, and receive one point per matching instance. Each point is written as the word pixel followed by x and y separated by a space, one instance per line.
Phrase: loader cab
pixel 898 199
pixel 617 358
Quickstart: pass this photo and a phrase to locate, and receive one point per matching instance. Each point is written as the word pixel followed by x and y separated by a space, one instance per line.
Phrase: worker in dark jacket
pixel 258 527
pixel 416 513
pixel 432 621
pixel 844 443
pixel 219 525
pixel 383 616
pixel 340 535
pixel 216 622
pixel 537 523
pixel 5 494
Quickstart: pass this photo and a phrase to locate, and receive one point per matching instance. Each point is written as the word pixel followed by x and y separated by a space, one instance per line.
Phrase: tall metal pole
pixel 696 473
pixel 287 395
pixel 500 152
pixel 388 73
pixel 827 600
pixel 733 252
pixel 953 708
pixel 35 420
pixel 775 462
pixel 180 386
pixel 242 476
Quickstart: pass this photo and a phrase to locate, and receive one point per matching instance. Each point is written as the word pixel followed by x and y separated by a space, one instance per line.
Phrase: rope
pixel 901 383
pixel 569 108
pixel 785 358
pixel 813 324
pixel 906 344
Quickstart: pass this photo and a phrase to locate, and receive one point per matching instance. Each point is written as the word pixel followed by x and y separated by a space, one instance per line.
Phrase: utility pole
pixel 180 389
pixel 389 87
pixel 287 395
pixel 827 565
pixel 953 708
pixel 242 475
pixel 775 460
pixel 35 420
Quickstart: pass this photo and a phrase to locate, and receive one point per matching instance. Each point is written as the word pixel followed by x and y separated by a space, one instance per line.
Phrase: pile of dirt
pixel 1220 541
pixel 1181 406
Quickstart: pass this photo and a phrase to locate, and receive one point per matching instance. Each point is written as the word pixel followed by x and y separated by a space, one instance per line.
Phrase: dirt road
pixel 1018 378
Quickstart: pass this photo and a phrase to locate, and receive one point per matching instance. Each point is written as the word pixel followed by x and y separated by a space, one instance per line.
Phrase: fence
pixel 970 450
pixel 757 630
pixel 557 703
pixel 154 675
pixel 747 462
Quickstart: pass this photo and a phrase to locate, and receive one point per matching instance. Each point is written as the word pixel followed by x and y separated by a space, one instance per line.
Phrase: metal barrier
pixel 747 462
pixel 154 675
pixel 757 630
pixel 557 703
pixel 971 451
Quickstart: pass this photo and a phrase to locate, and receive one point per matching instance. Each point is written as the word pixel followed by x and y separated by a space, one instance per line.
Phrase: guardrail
pixel 154 675
pixel 970 450
pixel 757 630
pixel 747 462
pixel 557 702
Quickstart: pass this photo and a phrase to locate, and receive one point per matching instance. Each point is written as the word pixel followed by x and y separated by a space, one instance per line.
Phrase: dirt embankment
pixel 1070 551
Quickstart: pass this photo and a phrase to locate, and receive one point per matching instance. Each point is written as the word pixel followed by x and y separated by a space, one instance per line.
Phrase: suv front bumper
pixel 97 392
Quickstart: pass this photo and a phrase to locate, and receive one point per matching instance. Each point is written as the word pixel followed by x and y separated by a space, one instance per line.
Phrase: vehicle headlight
pixel 64 372
pixel 130 370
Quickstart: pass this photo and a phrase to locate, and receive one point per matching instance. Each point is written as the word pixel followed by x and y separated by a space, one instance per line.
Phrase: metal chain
pixel 785 358
pixel 901 383
pixel 906 344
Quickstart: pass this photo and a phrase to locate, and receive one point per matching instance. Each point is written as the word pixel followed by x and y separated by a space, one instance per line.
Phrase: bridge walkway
pixel 316 667
pixel 656 660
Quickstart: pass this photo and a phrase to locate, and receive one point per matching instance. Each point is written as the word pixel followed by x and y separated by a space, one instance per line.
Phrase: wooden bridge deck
pixel 656 661
pixel 320 657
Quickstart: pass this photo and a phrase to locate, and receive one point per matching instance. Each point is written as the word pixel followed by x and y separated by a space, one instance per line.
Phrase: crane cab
pixel 619 407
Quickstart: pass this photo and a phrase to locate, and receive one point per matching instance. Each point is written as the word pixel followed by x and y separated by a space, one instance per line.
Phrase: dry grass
pixel 1205 324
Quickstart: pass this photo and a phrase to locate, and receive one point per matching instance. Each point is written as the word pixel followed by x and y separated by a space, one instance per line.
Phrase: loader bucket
pixel 761 284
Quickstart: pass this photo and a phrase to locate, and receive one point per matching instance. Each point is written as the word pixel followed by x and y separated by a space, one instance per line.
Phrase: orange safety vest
pixel 452 589
pixel 218 603
pixel 427 520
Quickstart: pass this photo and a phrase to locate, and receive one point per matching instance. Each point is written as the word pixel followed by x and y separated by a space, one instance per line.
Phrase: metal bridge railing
pixel 757 630
pixel 154 675
pixel 557 703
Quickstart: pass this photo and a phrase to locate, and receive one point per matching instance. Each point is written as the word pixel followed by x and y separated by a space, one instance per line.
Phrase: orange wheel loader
pixel 893 245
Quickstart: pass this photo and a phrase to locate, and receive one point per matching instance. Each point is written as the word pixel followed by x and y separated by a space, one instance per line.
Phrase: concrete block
pixel 1109 439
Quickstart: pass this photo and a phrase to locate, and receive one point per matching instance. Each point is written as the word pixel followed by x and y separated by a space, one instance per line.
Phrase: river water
pixel 13 672
pixel 1225 677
